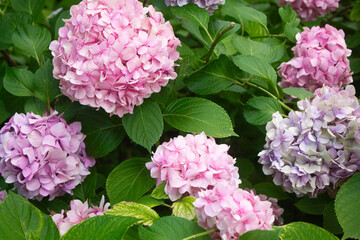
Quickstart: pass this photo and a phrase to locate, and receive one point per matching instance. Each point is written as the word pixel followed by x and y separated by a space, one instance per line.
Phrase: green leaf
pixel 150 201
pixel 19 218
pixel 193 14
pixel 291 31
pixel 198 115
pixel 67 108
pixel 255 29
pixel 100 227
pixel 159 192
pixel 4 114
pixel 184 208
pixel 299 93
pixel 143 213
pixel 86 190
pixel 257 67
pixel 216 26
pixel 246 46
pixel 260 235
pixel 46 88
pixel 32 40
pixel 246 167
pixel 288 15
pixel 270 190
pixel 330 221
pixel 103 133
pixel 347 207
pixel 313 206
pixel 277 49
pixel 19 82
pixel 259 110
pixel 129 181
pixel 171 228
pixel 355 12
pixel 245 14
pixel 195 31
pixel 213 77
pixel 34 105
pixel 304 231
pixel 145 126
pixel 30 6
pixel 60 23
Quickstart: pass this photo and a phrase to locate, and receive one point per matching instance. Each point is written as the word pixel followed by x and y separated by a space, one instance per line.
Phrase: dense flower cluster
pixel 192 163
pixel 316 146
pixel 78 212
pixel 233 211
pixel 320 58
pixel 209 5
pixel 110 54
pixel 310 10
pixel 3 195
pixel 43 156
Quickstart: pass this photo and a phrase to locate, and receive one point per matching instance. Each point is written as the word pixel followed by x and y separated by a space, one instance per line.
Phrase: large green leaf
pixel 313 206
pixel 184 208
pixel 244 14
pixel 257 67
pixel 34 105
pixel 19 82
pixel 270 190
pixel 330 221
pixel 259 110
pixel 300 93
pixel 32 40
pixel 145 125
pixel 288 15
pixel 246 46
pixel 143 213
pixel 46 88
pixel 198 115
pixel 86 190
pixel 171 228
pixel 347 207
pixel 100 227
pixel 213 77
pixel 103 133
pixel 30 6
pixel 66 107
pixel 193 14
pixel 304 231
pixel 355 12
pixel 129 181
pixel 19 218
pixel 260 235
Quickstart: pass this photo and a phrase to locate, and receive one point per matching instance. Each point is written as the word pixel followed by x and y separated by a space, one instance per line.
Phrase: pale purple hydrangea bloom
pixel 78 212
pixel 110 54
pixel 3 195
pixel 234 211
pixel 192 163
pixel 209 5
pixel 313 148
pixel 310 10
pixel 320 58
pixel 43 156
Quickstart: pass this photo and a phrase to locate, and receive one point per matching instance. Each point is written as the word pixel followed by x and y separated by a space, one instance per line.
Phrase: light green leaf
pixel 143 213
pixel 31 39
pixel 129 181
pixel 184 208
pixel 216 26
pixel 198 115
pixel 304 231
pixel 159 192
pixel 246 46
pixel 150 201
pixel 19 218
pixel 145 126
pixel 291 31
pixel 259 110
pixel 288 15
pixel 100 227
pixel 347 207
pixel 245 14
pixel 260 235
pixel 29 6
pixel 299 93
pixel 19 82
pixel 277 49
pixel 255 29
pixel 34 105
pixel 355 12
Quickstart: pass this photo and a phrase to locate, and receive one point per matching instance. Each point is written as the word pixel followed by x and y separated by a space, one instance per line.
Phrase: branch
pixel 323 23
pixel 8 59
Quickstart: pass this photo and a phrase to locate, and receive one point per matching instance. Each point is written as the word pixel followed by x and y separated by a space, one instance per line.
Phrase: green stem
pixel 216 41
pixel 200 234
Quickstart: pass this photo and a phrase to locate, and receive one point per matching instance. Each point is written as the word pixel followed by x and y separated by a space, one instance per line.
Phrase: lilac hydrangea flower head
pixel 209 5
pixel 315 147
pixel 233 211
pixel 43 156
pixel 110 54
pixel 310 10
pixel 78 212
pixel 320 58
pixel 3 195
pixel 192 163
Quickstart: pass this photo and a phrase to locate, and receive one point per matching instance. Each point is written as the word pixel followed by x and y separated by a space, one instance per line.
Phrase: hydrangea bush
pixel 179 119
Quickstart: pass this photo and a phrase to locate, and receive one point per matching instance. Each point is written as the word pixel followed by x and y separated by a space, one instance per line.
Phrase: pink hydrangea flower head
pixel 320 59
pixel 192 163
pixel 3 195
pixel 233 211
pixel 78 212
pixel 110 54
pixel 43 156
pixel 317 146
pixel 310 10
pixel 209 5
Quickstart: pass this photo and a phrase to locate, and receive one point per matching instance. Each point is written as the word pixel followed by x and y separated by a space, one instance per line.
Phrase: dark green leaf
pixel 299 93
pixel 244 14
pixel 86 190
pixel 60 23
pixel 19 82
pixel 18 218
pixel 270 190
pixel 330 221
pixel 100 227
pixel 29 6
pixel 216 26
pixel 355 12
pixel 67 108
pixel 145 126
pixel 4 114
pixel 103 133
pixel 129 181
pixel 193 14
pixel 259 110
pixel 246 46
pixel 171 228
pixel 246 167
pixel 34 105
pixel 198 115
